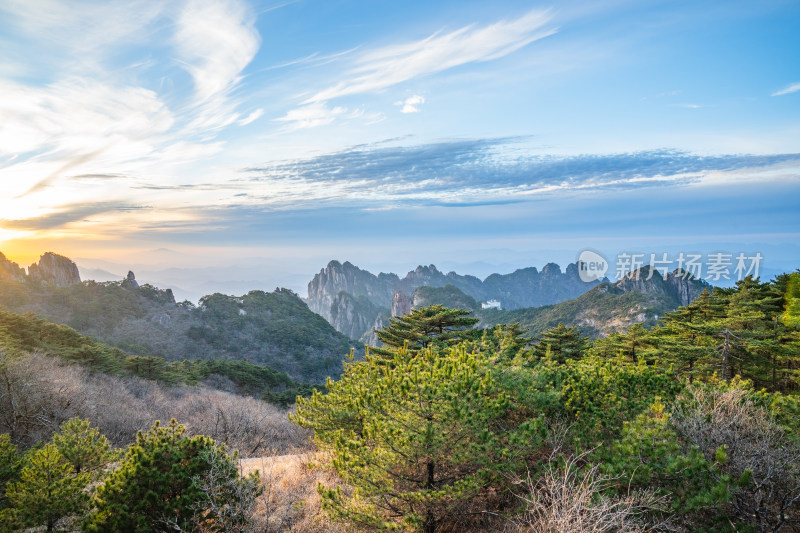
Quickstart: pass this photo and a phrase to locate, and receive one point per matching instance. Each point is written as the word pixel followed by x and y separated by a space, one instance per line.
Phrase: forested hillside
pixel 275 329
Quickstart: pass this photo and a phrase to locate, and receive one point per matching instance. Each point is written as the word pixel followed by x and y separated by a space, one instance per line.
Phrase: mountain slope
pixel 20 334
pixel 275 329
pixel 607 308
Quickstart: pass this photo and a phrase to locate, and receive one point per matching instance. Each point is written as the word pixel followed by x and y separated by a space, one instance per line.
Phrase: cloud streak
pixel 67 215
pixel 217 41
pixel 793 88
pixel 110 107
pixel 388 66
pixel 379 69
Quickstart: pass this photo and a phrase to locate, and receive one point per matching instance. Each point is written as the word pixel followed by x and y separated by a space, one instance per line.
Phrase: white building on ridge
pixel 491 304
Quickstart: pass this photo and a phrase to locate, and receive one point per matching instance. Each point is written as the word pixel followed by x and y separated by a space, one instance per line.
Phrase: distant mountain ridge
pixel 639 297
pixel 355 301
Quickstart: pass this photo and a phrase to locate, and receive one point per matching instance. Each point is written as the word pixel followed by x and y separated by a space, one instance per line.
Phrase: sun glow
pixel 7 235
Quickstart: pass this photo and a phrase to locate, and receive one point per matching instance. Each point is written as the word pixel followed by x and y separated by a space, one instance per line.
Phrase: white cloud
pixel 395 64
pixel 252 117
pixel 411 104
pixel 217 40
pixel 793 88
pixel 96 108
pixel 77 116
pixel 311 116
pixel 80 33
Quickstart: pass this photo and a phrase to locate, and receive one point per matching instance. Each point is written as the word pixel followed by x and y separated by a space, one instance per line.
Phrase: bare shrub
pixel 571 499
pixel 242 423
pixel 749 445
pixel 230 500
pixel 38 393
pixel 290 502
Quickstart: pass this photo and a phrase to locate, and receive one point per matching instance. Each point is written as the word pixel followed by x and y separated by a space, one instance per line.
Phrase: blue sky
pixel 480 136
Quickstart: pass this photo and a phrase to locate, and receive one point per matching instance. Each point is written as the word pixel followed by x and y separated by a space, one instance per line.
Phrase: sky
pixel 223 144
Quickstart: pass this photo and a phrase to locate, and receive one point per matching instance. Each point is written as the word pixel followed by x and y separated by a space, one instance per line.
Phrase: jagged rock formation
pixel 10 270
pixel 55 269
pixel 345 277
pixel 130 281
pixel 389 294
pixel 401 304
pixel 684 287
pixel 553 296
pixel 352 316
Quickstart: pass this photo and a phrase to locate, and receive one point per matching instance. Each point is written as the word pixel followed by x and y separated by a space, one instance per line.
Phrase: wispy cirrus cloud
pixel 793 88
pixel 66 215
pixel 79 34
pixel 216 40
pixel 384 67
pixel 105 91
pixel 395 64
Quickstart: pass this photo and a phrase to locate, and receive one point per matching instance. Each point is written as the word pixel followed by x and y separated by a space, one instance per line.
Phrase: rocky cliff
pixel 401 304
pixel 351 315
pixel 345 277
pixel 10 270
pixel 54 269
pixel 678 285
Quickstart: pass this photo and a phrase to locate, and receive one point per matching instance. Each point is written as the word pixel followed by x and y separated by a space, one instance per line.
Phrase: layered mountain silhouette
pixel 356 302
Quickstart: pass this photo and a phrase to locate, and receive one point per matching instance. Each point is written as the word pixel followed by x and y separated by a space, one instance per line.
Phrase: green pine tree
pixel 47 490
pixel 634 345
pixel 423 441
pixel 433 326
pixel 684 339
pixel 10 466
pixel 561 343
pixel 507 341
pixel 155 488
pixel 791 315
pixel 82 446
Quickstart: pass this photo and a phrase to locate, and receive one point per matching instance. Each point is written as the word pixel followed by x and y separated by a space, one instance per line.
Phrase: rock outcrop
pixel 54 269
pixel 678 285
pixel 684 287
pixel 10 270
pixel 130 281
pixel 345 277
pixel 401 304
pixel 352 316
